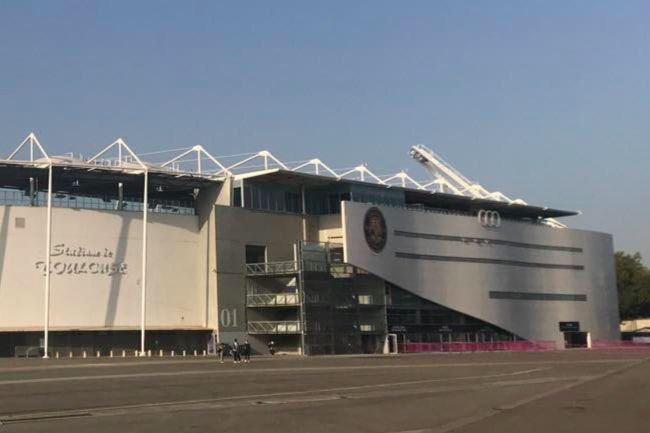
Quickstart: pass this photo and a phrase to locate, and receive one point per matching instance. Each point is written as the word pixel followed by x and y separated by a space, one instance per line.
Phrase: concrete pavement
pixel 482 392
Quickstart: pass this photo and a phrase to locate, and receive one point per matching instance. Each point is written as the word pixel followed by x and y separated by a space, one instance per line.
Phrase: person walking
pixel 220 349
pixel 236 357
pixel 246 348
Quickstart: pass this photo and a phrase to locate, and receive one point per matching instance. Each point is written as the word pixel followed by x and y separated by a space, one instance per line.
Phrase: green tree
pixel 633 284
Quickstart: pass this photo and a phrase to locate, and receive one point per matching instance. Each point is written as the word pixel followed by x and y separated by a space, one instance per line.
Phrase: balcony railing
pixel 292 267
pixel 281 327
pixel 272 268
pixel 271 299
pixel 314 266
pixel 10 197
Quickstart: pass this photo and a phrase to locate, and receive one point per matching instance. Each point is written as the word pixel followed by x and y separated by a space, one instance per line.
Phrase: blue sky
pixel 547 101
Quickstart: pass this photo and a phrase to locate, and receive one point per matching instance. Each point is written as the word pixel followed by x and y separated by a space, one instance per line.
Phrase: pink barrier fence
pixel 526 346
pixel 600 344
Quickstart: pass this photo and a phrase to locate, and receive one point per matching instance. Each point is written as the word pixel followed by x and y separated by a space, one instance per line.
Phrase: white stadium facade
pixel 115 253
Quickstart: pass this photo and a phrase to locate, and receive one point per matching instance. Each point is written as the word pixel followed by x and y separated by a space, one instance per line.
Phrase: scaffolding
pixel 333 306
pixel 272 299
pixel 274 327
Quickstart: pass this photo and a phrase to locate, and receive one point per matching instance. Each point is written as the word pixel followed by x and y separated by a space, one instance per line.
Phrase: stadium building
pixel 191 251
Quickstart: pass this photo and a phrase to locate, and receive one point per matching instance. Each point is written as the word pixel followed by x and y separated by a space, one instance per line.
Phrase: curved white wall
pixel 436 269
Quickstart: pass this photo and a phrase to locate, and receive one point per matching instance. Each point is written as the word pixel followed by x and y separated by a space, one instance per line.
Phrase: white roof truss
pixel 446 179
pixel 362 171
pixel 404 179
pixel 319 167
pixel 125 156
pixel 442 185
pixel 34 147
pixel 267 158
pixel 200 154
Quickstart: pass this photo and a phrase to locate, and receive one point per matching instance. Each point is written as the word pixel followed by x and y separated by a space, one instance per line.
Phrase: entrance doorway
pixel 371 343
pixel 391 344
pixel 575 339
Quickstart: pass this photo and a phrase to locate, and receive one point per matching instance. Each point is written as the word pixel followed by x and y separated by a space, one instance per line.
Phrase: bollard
pixel 110 354
pixel 160 353
pixel 149 353
pixel 184 352
pixel 56 355
pixel 172 354
pixel 194 352
pixel 136 353
pixel 70 355
pixel 124 354
pixel 204 352
pixel 84 354
pixel 98 354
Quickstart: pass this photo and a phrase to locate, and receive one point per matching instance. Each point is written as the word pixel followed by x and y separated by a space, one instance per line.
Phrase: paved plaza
pixel 568 391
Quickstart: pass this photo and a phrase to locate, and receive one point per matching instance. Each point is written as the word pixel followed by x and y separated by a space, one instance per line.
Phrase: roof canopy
pixel 195 167
pixel 414 197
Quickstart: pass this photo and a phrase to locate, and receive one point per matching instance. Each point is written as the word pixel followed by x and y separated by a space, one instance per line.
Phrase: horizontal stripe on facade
pixel 465 239
pixel 414 256
pixel 527 296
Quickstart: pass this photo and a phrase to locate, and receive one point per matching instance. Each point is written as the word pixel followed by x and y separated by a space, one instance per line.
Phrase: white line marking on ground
pixel 204 372
pixel 47 365
pixel 463 422
pixel 186 404
pixel 294 370
pixel 448 389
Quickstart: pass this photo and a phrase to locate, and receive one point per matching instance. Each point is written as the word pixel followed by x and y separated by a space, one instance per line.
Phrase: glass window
pixel 255 254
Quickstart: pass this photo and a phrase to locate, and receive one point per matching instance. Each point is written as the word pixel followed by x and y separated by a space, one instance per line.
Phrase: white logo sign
pixel 489 218
pixel 77 260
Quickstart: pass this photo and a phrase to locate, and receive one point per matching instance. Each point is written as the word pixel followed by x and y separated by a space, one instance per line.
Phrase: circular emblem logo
pixel 374 229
